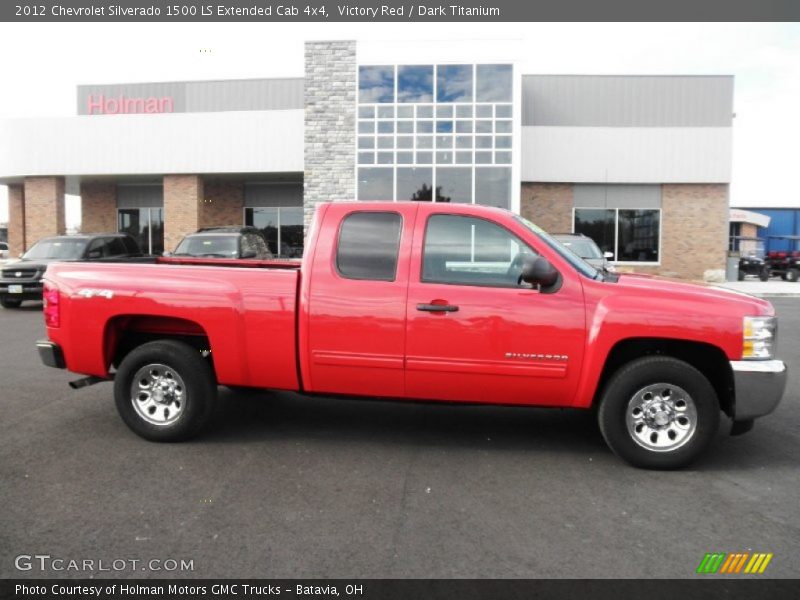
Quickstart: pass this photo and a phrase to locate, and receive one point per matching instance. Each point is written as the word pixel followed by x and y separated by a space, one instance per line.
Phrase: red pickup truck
pixel 421 301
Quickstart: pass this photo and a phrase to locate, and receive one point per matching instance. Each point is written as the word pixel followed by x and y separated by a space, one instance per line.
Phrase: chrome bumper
pixel 758 385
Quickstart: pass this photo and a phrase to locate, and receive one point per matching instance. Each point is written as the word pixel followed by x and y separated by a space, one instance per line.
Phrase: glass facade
pixel 146 225
pixel 632 235
pixel 435 133
pixel 282 228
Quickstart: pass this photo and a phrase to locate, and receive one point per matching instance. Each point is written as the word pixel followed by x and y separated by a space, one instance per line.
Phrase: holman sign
pixel 100 104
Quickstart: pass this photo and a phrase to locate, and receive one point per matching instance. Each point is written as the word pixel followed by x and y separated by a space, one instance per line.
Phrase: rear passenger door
pixel 357 303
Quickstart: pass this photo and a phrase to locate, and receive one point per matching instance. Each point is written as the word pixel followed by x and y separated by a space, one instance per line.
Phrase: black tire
pixel 10 303
pixel 764 274
pixel 783 276
pixel 792 275
pixel 631 379
pixel 741 275
pixel 198 393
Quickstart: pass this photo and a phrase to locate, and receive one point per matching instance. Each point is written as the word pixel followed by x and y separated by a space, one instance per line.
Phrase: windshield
pixel 215 246
pixel 581 247
pixel 580 265
pixel 57 248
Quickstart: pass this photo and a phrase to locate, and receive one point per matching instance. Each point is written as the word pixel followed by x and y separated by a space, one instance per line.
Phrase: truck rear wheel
pixel 165 391
pixel 658 412
pixel 792 275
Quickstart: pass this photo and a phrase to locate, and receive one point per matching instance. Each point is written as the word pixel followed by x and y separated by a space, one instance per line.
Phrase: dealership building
pixel 640 163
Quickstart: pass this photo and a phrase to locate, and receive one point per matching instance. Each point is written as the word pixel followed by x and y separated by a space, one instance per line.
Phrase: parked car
pixel 233 241
pixel 421 301
pixel 587 249
pixel 784 263
pixel 22 279
pixel 3 250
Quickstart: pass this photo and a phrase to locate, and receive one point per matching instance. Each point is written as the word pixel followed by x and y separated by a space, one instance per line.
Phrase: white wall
pixel 224 142
pixel 627 154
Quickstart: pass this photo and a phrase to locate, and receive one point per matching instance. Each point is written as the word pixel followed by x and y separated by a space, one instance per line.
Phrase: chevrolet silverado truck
pixel 421 301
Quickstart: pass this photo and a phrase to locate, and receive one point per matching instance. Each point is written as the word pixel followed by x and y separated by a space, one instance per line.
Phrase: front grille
pixel 12 273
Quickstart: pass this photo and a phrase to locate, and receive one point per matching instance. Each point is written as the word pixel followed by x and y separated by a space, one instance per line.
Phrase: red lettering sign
pixel 122 105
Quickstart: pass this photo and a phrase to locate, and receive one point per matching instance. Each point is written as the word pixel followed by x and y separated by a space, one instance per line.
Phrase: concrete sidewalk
pixel 771 288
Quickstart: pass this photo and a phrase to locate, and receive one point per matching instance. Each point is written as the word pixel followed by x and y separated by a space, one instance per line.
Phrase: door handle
pixel 437 307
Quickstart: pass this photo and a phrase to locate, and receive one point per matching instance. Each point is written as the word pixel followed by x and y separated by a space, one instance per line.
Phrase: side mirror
pixel 537 270
pixel 608 255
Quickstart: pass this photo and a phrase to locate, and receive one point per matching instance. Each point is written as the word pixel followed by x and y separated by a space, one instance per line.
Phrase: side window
pixel 115 247
pixel 249 248
pixel 98 249
pixel 368 245
pixel 469 251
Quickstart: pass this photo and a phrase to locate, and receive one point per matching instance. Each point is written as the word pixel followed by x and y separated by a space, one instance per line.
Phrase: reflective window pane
pixel 503 126
pixel 454 83
pixel 483 158
pixel 424 112
pixel 469 251
pixel 365 143
pixel 415 84
pixel 375 84
pixel 444 127
pixel 366 158
pixel 386 112
pixel 483 141
pixel 503 111
pixel 405 112
pixel 445 158
pixel 385 126
pixel 405 158
pixel 503 141
pixel 415 183
pixel 444 141
pixel 405 141
pixel 366 127
pixel 386 141
pixel 464 111
pixel 454 185
pixel 598 224
pixel 464 141
pixel 483 127
pixel 424 126
pixel 502 158
pixel 375 184
pixel 445 111
pixel 484 111
pixel 405 127
pixel 464 126
pixel 368 246
pixel 291 242
pixel 493 83
pixel 424 158
pixel 425 142
pixel 493 186
pixel 366 112
pixel 463 158
pixel 385 158
pixel 266 219
pixel 638 235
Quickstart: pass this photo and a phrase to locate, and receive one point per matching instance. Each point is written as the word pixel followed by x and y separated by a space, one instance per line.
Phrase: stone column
pixel 98 207
pixel 183 196
pixel 16 220
pixel 44 208
pixel 330 116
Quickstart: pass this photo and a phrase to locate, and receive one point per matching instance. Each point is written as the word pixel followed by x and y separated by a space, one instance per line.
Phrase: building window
pixel 145 225
pixel 422 129
pixel 369 243
pixel 631 235
pixel 282 227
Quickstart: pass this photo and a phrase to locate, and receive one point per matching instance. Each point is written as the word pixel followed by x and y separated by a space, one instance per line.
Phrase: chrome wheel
pixel 158 394
pixel 661 417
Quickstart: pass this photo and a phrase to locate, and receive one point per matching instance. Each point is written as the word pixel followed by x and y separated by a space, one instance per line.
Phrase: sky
pixel 44 62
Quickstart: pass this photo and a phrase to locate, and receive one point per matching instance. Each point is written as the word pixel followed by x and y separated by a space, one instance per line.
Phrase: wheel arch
pixel 710 360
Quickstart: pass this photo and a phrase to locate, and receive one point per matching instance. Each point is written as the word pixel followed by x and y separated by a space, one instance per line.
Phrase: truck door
pixel 474 333
pixel 357 300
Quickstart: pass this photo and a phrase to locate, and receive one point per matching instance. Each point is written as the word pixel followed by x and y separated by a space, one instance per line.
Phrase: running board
pixel 87 381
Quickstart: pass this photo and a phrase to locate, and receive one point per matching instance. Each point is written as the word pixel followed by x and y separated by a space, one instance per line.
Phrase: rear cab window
pixel 369 245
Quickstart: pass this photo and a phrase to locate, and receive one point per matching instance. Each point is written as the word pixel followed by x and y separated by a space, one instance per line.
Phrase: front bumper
pixel 758 385
pixel 51 354
pixel 25 289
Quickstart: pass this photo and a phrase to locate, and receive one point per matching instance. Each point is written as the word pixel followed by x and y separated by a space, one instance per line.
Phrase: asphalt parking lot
pixel 286 486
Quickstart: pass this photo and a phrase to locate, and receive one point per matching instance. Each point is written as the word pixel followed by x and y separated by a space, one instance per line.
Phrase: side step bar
pixel 87 381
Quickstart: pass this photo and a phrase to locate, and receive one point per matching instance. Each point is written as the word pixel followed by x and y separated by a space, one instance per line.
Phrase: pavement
pixel 773 288
pixel 288 486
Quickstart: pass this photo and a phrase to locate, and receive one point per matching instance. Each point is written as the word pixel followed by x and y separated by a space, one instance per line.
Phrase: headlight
pixel 759 337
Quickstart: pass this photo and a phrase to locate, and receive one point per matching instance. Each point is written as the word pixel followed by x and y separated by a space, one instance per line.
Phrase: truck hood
pixel 657 285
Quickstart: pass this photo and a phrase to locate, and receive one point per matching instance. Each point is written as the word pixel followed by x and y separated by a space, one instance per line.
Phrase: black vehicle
pixel 784 263
pixel 751 261
pixel 22 279
pixel 235 242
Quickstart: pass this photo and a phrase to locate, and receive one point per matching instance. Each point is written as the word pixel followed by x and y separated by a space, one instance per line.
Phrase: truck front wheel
pixel 658 412
pixel 165 391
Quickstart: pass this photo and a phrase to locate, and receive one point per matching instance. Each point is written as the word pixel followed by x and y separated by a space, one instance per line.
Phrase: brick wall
pixel 549 205
pixel 16 220
pixel 183 195
pixel 222 204
pixel 330 109
pixel 44 208
pixel 98 207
